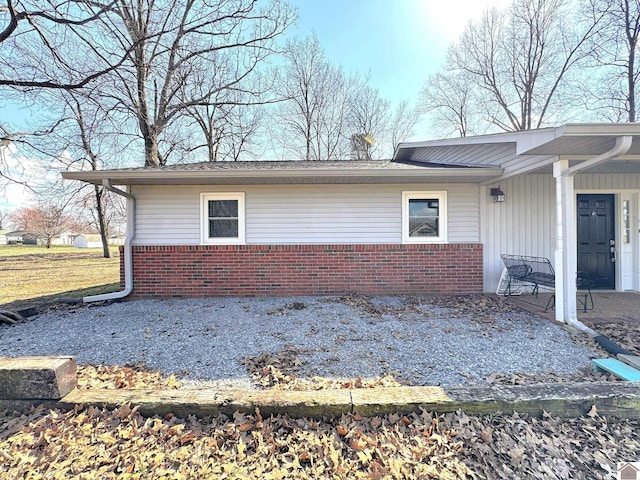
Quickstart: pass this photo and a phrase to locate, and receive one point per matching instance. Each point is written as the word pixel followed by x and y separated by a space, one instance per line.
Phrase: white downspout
pixel 128 257
pixel 566 305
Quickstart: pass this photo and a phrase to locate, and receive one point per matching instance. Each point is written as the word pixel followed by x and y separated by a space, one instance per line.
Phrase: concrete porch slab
pixel 608 306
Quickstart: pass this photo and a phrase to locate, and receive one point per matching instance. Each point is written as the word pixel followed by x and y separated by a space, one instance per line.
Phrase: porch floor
pixel 608 306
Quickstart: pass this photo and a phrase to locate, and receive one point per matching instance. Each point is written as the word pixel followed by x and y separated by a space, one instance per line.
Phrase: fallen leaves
pixel 121 443
pixel 99 443
pixel 277 371
pixel 114 376
pixel 478 308
pixel 583 375
pixel 624 332
pixel 524 447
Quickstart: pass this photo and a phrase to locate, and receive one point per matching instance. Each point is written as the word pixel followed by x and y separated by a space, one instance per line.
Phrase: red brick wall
pixel 273 270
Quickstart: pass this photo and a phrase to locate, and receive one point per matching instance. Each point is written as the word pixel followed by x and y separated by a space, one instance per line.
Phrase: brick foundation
pixel 282 270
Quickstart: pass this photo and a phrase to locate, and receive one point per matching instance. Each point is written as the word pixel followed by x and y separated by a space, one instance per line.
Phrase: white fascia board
pixel 600 129
pixel 129 177
pixel 529 140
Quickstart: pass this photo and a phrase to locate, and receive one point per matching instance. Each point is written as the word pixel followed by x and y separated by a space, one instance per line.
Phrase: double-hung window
pixel 424 217
pixel 222 218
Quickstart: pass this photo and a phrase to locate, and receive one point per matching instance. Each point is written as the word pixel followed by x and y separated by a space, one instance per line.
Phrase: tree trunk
pixel 151 157
pixel 631 81
pixel 102 224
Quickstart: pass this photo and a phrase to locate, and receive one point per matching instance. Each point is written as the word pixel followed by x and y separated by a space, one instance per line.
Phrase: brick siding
pixel 281 270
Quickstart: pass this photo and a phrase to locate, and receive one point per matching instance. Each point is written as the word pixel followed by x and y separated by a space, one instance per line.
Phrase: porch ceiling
pixel 531 151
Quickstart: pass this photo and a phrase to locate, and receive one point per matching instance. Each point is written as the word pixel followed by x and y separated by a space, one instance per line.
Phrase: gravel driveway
pixel 419 340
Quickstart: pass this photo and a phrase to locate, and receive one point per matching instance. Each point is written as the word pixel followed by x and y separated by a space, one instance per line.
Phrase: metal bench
pixel 538 272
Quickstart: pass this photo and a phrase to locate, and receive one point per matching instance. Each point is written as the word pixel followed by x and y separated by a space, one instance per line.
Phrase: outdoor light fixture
pixel 497 194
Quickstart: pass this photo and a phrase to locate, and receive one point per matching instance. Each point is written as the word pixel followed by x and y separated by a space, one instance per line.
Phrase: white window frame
pixel 204 218
pixel 441 196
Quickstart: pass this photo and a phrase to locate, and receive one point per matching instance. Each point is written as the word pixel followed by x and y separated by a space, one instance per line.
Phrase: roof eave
pixel 208 177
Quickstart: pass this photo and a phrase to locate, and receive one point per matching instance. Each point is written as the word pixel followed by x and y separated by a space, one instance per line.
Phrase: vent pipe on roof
pixel 128 258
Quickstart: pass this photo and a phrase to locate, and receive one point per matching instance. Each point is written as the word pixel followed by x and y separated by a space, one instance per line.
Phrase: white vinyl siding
pixel 525 223
pixel 299 214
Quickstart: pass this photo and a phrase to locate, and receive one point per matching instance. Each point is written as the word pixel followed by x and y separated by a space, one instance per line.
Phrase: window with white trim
pixel 222 218
pixel 424 217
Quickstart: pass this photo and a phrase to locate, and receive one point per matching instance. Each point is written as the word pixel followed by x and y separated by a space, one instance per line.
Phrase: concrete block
pixel 37 378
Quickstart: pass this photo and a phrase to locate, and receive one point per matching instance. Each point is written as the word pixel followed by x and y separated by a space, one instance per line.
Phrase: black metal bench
pixel 538 272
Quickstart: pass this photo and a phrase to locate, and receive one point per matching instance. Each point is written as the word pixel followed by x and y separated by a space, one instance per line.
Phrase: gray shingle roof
pixel 278 165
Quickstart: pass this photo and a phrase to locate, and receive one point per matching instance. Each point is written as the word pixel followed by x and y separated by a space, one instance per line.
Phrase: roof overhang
pixel 531 151
pixel 250 176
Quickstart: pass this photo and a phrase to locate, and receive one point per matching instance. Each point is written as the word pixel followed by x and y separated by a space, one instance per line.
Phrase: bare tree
pixel 520 59
pixel 328 115
pixel 4 219
pixel 312 118
pixel 46 221
pixel 49 32
pixel 228 128
pixel 403 121
pixel 451 98
pixel 87 125
pixel 368 119
pixel 173 44
pixel 613 76
pixel 45 46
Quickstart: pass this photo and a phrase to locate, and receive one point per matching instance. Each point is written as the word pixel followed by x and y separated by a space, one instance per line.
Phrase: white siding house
pixel 570 194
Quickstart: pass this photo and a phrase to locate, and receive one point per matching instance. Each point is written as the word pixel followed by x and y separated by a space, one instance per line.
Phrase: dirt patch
pixel 477 308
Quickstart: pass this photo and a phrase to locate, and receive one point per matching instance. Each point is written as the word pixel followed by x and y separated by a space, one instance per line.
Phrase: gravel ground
pixel 416 339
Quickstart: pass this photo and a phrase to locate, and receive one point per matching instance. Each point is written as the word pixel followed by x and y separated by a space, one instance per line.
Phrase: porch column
pixel 566 263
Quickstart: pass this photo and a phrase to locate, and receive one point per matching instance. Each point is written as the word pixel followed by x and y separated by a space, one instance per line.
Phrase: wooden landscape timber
pixel 37 378
pixel 52 381
pixel 615 399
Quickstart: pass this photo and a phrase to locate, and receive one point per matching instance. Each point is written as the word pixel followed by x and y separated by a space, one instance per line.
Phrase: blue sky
pixel 400 42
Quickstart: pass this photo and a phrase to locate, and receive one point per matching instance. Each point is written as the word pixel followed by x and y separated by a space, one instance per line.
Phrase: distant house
pixel 116 240
pixel 21 237
pixel 65 238
pixel 3 237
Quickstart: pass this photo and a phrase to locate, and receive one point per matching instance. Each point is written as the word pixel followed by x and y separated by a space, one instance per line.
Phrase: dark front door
pixel 596 238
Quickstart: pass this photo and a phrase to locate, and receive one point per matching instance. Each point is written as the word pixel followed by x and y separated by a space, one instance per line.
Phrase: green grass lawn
pixel 31 275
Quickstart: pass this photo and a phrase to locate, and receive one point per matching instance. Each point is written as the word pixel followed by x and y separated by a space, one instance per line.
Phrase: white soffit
pixel 527 151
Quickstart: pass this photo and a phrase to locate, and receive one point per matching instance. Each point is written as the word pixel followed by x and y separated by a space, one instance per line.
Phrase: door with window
pixel 596 239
